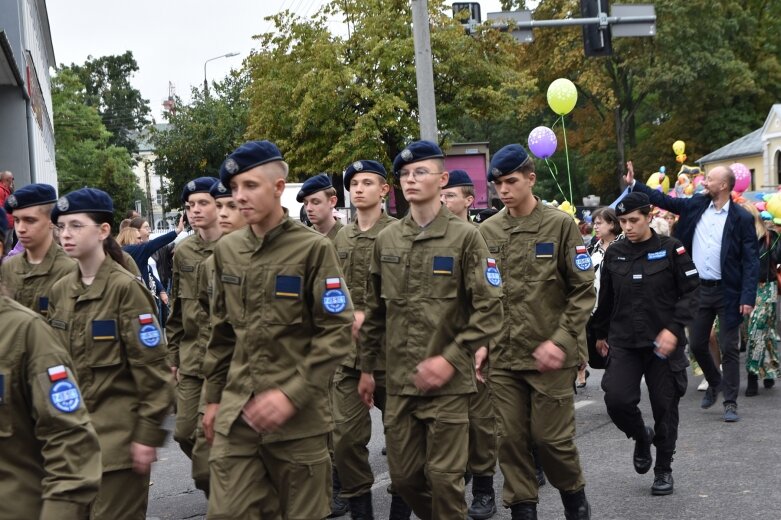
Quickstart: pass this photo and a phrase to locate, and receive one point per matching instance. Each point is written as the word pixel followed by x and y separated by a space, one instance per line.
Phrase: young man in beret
pixel 187 326
pixel 549 294
pixel 458 195
pixel 30 276
pixel 435 292
pixel 281 322
pixel 319 197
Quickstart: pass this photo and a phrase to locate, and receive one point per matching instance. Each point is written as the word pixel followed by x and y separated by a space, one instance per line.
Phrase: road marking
pixel 581 404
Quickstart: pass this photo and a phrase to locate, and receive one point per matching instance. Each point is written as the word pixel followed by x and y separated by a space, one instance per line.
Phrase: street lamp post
pixel 205 82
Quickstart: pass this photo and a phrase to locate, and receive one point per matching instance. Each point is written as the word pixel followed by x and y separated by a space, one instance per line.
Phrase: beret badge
pixel 63 204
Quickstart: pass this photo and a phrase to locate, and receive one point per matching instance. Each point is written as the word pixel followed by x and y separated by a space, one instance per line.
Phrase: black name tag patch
pixel 443 265
pixel 227 278
pixel 287 286
pixel 104 330
pixel 188 268
pixel 390 258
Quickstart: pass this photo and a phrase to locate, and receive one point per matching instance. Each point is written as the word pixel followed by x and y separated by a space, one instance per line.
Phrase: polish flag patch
pixel 145 319
pixel 57 373
pixel 491 262
pixel 680 250
pixel 333 283
pixel 580 249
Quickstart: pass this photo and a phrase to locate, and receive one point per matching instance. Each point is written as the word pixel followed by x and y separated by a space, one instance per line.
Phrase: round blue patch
pixel 583 262
pixel 65 396
pixel 149 336
pixel 493 276
pixel 334 301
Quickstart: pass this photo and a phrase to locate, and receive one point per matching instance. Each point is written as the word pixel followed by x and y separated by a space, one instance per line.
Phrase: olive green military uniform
pixel 548 295
pixel 353 426
pixel 130 265
pixel 281 319
pixel 331 235
pixel 430 291
pixel 118 351
pixel 49 453
pixel 188 333
pixel 30 284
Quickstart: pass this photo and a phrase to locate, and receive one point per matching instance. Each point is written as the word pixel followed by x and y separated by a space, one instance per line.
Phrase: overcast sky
pixel 171 39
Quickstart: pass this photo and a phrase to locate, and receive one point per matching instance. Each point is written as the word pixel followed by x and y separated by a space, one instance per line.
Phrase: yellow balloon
pixel 653 182
pixel 566 207
pixel 562 96
pixel 774 206
pixel 679 147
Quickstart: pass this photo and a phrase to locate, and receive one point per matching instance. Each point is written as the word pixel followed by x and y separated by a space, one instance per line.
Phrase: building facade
pixel 160 214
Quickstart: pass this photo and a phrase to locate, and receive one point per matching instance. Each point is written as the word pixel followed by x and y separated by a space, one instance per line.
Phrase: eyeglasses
pixel 74 227
pixel 416 174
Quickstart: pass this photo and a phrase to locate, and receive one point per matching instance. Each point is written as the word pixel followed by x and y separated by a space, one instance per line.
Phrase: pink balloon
pixel 742 177
pixel 761 206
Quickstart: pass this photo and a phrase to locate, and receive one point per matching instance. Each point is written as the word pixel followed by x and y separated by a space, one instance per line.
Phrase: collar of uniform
pixel 529 223
pixel 253 242
pixel 435 229
pixel 25 268
pixel 354 231
pixel 98 287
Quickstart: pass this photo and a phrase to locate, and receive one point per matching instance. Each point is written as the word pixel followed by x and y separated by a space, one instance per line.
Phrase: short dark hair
pixel 467 191
pixel 608 214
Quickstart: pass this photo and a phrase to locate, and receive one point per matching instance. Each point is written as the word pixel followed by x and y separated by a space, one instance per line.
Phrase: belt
pixel 710 283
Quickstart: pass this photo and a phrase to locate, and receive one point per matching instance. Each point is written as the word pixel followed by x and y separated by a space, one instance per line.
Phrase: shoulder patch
pixel 582 260
pixel 334 298
pixel 64 396
pixel 680 250
pixel 657 255
pixel 492 273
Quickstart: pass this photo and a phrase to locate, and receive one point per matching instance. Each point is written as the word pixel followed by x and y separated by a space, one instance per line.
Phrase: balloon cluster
pixel 770 207
pixel 659 180
pixel 679 147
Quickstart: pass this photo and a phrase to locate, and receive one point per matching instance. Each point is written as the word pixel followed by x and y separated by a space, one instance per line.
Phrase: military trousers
pixel 256 480
pixel 353 430
pixel 536 409
pixel 482 432
pixel 666 381
pixel 188 395
pixel 428 441
pixel 123 495
pixel 201 448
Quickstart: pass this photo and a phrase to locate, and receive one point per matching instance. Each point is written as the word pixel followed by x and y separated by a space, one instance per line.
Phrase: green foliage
pixel 85 155
pixel 107 88
pixel 201 134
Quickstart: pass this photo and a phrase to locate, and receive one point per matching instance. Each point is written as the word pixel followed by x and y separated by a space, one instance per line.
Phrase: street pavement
pixel 721 470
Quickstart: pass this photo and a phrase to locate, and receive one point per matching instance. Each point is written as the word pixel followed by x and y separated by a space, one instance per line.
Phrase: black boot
pixel 484 501
pixel 768 383
pixel 642 458
pixel 752 385
pixel 576 506
pixel 339 506
pixel 361 507
pixel 399 509
pixel 524 511
pixel 663 482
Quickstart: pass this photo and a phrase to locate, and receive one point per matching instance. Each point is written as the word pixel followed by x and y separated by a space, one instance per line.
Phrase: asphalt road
pixel 721 470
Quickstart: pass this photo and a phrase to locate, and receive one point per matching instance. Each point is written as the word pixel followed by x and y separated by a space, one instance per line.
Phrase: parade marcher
pixel 459 195
pixel 647 296
pixel 720 235
pixel 319 198
pixel 549 295
pixel 281 318
pixel 437 295
pixel 366 182
pixel 187 326
pixel 105 317
pixel 30 276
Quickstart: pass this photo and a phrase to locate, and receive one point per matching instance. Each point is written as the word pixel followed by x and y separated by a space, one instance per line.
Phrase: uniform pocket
pixel 103 346
pixel 444 274
pixel 233 285
pixel 284 298
pixel 394 283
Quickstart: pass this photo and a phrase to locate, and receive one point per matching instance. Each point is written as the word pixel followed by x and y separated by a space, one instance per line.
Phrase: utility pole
pixel 424 71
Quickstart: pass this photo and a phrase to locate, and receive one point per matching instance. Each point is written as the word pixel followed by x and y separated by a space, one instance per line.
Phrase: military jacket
pixel 49 453
pixel 548 284
pixel 30 284
pixel 111 331
pixel 281 319
pixel 646 287
pixel 335 230
pixel 434 291
pixel 187 326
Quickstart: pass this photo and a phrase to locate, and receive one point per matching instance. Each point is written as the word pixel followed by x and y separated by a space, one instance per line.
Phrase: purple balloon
pixel 542 142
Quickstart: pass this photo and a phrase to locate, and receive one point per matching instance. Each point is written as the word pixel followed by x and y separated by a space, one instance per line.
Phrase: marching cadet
pixel 435 292
pixel 366 182
pixel 281 320
pixel 459 195
pixel 49 452
pixel 319 197
pixel 647 295
pixel 549 295
pixel 187 326
pixel 30 276
pixel 106 319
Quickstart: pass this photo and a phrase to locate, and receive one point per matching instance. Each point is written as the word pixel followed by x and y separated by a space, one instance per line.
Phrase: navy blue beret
pixel 3 223
pixel 248 156
pixel 314 184
pixel 507 160
pixel 199 185
pixel 85 200
pixel 414 152
pixel 30 195
pixel 459 178
pixel 219 190
pixel 485 215
pixel 633 201
pixel 363 167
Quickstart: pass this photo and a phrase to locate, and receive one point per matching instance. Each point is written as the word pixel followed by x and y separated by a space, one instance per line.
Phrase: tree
pixel 85 155
pixel 107 88
pixel 201 134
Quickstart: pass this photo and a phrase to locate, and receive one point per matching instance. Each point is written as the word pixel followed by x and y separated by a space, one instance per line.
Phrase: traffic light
pixel 596 37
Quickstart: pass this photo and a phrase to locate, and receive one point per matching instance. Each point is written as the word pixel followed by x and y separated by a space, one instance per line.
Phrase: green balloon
pixel 562 96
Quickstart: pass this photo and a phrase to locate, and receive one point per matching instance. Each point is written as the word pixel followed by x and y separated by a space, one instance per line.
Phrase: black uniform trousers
pixel 666 382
